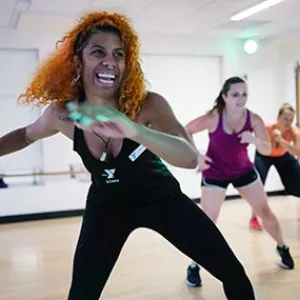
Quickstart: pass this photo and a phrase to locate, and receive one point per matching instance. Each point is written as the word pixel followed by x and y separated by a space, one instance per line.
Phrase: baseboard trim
pixel 41 216
pixel 79 212
pixel 235 197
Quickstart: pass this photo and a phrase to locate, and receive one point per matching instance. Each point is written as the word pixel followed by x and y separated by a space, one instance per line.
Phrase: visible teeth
pixel 105 75
pixel 105 81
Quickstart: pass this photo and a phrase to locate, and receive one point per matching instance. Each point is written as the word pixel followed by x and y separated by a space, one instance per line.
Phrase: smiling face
pixel 102 64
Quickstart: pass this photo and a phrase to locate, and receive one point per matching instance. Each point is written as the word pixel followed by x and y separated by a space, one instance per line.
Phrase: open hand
pixel 203 163
pixel 102 119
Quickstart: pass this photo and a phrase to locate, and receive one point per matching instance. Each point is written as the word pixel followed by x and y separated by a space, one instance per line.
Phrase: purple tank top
pixel 230 157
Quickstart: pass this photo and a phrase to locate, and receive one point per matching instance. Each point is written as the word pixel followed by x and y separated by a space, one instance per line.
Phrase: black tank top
pixel 134 176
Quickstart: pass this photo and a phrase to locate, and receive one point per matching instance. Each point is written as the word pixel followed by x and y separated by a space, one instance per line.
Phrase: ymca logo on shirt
pixel 110 176
pixel 137 152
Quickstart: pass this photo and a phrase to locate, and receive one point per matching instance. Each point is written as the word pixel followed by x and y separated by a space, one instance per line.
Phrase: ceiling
pixel 199 18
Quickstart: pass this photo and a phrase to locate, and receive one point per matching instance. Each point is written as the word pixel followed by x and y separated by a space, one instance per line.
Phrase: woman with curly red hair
pixel 94 81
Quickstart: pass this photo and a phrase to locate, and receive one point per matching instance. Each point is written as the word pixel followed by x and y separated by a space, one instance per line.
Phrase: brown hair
pixel 219 104
pixel 285 106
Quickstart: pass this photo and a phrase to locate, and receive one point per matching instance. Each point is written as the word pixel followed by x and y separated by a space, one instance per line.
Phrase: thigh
pixel 262 165
pixel 212 197
pixel 103 234
pixel 288 169
pixel 192 232
pixel 255 195
pixel 246 180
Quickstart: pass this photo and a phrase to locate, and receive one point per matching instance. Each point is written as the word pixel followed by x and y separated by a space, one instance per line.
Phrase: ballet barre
pixel 56 173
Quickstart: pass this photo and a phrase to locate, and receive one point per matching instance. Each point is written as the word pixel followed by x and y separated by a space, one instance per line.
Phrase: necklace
pixel 105 156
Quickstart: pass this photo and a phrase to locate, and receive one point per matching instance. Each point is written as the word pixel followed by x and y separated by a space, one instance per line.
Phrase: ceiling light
pixel 250 46
pixel 254 9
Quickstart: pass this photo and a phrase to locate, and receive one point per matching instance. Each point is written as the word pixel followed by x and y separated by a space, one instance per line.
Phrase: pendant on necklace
pixel 105 157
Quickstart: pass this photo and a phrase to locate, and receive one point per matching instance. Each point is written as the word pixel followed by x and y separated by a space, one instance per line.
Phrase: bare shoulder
pixel 256 120
pixel 54 110
pixel 207 121
pixel 154 106
pixel 210 117
pixel 153 101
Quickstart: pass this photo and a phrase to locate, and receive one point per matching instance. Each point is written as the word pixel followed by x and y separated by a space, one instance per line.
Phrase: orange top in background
pixel 277 149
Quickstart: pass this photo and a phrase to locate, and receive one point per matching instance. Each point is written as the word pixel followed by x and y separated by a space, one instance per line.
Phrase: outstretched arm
pixel 22 137
pixel 156 128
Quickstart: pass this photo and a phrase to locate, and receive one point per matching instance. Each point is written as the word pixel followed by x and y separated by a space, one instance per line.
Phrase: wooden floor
pixel 36 260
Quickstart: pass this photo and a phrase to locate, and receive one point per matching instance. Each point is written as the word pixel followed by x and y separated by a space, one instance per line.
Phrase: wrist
pixel 137 132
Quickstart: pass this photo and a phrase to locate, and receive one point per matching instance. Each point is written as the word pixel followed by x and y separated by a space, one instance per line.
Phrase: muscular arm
pixel 22 137
pixel 166 137
pixel 262 140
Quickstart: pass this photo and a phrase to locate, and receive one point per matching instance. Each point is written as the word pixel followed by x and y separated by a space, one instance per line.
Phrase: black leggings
pixel 105 229
pixel 287 167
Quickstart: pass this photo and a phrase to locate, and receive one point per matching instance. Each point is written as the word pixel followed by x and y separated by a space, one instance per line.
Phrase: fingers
pixel 204 163
pixel 99 113
pixel 208 159
pixel 82 127
pixel 203 167
pixel 98 110
pixel 87 114
pixel 107 126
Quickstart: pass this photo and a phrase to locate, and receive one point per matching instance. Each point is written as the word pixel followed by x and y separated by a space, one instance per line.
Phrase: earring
pixel 75 80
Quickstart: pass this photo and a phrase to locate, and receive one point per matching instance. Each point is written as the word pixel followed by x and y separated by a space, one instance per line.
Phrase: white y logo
pixel 110 173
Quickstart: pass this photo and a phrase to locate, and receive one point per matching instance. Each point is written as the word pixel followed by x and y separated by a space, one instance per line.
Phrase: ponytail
pixel 219 104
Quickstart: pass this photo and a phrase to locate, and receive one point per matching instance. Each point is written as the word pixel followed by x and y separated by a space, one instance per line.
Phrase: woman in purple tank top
pixel 231 128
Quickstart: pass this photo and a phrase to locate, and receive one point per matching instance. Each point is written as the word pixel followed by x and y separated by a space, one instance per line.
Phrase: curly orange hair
pixel 53 80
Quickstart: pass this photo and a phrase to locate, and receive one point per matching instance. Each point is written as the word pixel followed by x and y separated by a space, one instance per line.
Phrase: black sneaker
pixel 193 277
pixel 287 261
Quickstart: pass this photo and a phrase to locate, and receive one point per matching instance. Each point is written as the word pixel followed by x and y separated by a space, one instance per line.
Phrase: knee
pixel 214 218
pixel 211 213
pixel 264 212
pixel 235 272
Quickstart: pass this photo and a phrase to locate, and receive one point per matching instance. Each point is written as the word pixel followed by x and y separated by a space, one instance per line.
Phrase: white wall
pixel 270 64
pixel 190 89
pixel 271 81
pixel 16 65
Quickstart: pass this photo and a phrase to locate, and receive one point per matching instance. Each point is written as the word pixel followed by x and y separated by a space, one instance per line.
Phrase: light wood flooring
pixel 36 259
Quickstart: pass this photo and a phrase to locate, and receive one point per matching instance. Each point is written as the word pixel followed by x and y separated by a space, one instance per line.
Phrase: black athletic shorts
pixel 238 182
